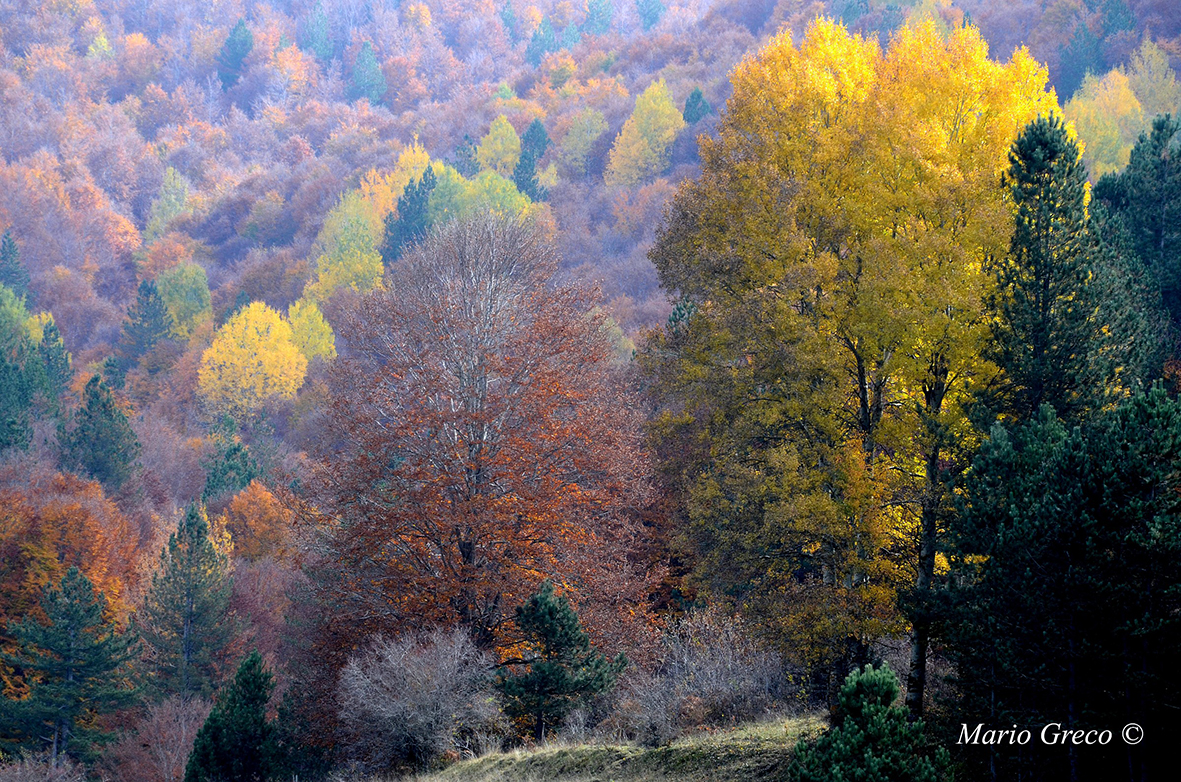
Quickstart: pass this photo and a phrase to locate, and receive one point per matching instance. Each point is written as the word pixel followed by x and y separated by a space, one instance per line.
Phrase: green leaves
pixel 237 742
pixel 74 666
pixel 563 669
pixel 102 443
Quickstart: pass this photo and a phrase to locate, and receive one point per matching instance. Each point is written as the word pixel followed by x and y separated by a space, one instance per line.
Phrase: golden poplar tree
pixel 500 149
pixel 829 259
pixel 641 149
pixel 253 358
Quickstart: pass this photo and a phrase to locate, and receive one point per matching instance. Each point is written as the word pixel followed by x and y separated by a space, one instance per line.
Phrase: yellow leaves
pixel 253 358
pixel 500 149
pixel 349 240
pixel 382 191
pixel 1108 118
pixel 310 332
pixel 641 149
pixel 418 16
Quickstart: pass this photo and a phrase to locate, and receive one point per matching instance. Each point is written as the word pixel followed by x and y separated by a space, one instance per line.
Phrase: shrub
pixel 413 700
pixel 871 739
pixel 711 673
pixel 40 768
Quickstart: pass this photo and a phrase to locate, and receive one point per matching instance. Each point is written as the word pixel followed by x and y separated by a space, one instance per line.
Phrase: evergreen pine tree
pixel 535 139
pixel 186 613
pixel 1044 303
pixel 75 667
pixel 102 443
pixel 542 43
pixel 236 743
pixel 231 467
pixel 1147 198
pixel 56 359
pixel 317 37
pixel 525 176
pixel 871 740
pixel 697 107
pixel 598 17
pixel 1079 56
pixel 148 321
pixel 465 158
pixel 508 18
pixel 12 272
pixel 563 668
pixel 569 37
pixel 411 221
pixel 368 80
pixel 650 12
pixel 238 45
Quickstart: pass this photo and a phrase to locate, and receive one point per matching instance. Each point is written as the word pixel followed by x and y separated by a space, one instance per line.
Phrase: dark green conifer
pixel 75 666
pixel 535 139
pixel 102 443
pixel 598 17
pixel 465 158
pixel 238 45
pixel 231 467
pixel 368 80
pixel 20 372
pixel 411 220
pixel 525 176
pixel 236 743
pixel 317 37
pixel 543 42
pixel 697 107
pixel 1147 198
pixel 871 739
pixel 563 668
pixel 148 321
pixel 186 613
pixel 650 12
pixel 12 272
pixel 1044 304
pixel 508 18
pixel 56 360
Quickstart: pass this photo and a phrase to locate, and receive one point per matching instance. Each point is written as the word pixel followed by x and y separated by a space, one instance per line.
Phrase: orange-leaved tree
pixel 483 444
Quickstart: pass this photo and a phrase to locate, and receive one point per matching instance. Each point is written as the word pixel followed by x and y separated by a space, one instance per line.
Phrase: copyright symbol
pixel 1133 733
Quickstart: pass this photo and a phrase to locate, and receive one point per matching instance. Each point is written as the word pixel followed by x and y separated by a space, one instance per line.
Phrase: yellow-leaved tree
pixel 500 149
pixel 253 358
pixel 1108 118
pixel 349 243
pixel 311 333
pixel 641 148
pixel 829 260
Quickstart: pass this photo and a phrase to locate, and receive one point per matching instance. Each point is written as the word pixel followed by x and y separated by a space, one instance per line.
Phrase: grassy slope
pixel 751 752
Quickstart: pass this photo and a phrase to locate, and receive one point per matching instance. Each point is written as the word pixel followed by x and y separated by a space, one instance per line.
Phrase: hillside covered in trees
pixel 383 384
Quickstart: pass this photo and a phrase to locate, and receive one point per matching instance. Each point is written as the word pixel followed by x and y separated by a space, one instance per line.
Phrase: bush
pixel 871 740
pixel 39 768
pixel 711 673
pixel 411 701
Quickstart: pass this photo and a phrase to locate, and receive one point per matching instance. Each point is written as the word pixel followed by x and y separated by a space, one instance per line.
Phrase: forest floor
pixel 756 751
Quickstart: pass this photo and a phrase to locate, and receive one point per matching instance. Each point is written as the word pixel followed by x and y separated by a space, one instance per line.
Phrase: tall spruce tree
pixel 650 12
pixel 535 139
pixel 186 613
pixel 12 272
pixel 75 667
pixel 56 360
pixel 525 176
pixel 231 467
pixel 563 668
pixel 544 41
pixel 410 222
pixel 598 17
pixel 1147 198
pixel 102 443
pixel 465 158
pixel 697 107
pixel 1044 304
pixel 317 36
pixel 368 80
pixel 148 321
pixel 237 742
pixel 1058 609
pixel 238 45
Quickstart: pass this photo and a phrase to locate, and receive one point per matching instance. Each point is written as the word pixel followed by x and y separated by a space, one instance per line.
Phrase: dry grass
pixel 756 751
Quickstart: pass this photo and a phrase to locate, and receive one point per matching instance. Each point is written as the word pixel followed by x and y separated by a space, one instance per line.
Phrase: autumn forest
pixel 389 385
